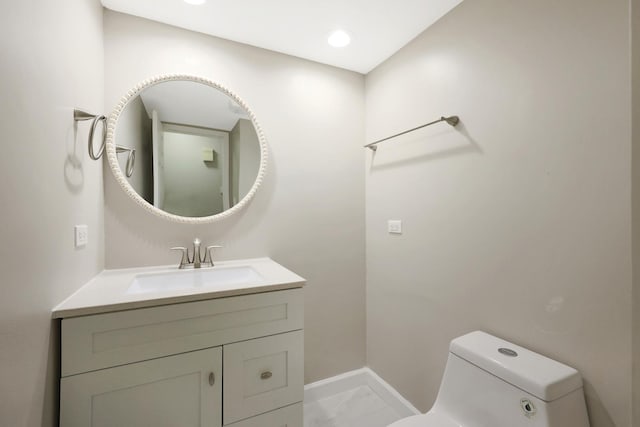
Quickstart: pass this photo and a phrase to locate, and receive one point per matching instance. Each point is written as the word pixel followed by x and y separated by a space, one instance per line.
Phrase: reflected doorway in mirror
pixel 200 152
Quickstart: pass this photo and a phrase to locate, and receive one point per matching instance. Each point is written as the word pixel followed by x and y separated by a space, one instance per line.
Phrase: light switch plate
pixel 82 235
pixel 394 226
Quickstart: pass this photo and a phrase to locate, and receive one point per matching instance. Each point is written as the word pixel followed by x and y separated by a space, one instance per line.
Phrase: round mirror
pixel 186 148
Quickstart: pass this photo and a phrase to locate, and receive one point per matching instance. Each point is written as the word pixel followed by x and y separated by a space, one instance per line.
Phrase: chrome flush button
pixel 528 408
pixel 508 352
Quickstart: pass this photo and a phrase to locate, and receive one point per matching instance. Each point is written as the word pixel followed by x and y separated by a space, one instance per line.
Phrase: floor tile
pixel 360 407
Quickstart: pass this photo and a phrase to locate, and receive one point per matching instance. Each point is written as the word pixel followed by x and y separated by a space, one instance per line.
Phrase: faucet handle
pixel 208 258
pixel 185 256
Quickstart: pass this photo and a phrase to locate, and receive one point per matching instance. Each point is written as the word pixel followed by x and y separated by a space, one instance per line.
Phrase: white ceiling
pixel 191 103
pixel 378 28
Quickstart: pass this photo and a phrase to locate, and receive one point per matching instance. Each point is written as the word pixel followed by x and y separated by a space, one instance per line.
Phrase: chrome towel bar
pixel 79 115
pixel 451 120
pixel 131 158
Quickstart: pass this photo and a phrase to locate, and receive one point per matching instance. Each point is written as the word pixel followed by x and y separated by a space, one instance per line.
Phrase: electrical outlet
pixel 82 235
pixel 394 226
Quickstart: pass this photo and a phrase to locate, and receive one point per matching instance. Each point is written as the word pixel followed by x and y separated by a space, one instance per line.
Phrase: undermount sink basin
pixel 216 277
pixel 133 288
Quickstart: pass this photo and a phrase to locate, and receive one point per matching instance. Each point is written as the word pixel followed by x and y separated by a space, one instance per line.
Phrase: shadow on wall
pixel 50 409
pixel 598 415
pixel 417 149
pixel 73 170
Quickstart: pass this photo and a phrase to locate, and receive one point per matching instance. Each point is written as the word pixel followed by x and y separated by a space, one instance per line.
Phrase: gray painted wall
pixel 245 159
pixel 193 186
pixel 635 186
pixel 51 62
pixel 309 212
pixel 519 222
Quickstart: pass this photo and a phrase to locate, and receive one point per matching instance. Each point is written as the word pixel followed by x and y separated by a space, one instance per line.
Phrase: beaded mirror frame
pixel 131 192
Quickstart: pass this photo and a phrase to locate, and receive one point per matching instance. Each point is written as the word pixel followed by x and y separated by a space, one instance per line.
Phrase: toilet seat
pixel 429 419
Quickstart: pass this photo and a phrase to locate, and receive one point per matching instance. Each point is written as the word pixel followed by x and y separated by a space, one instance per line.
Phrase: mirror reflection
pixel 197 151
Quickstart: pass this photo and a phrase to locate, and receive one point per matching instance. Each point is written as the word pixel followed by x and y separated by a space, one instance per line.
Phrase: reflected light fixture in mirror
pixel 201 153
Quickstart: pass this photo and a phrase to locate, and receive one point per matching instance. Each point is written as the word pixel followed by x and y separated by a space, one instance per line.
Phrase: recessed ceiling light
pixel 195 2
pixel 339 38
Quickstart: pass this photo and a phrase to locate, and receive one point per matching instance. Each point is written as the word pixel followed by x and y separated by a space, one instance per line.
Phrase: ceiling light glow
pixel 339 38
pixel 195 2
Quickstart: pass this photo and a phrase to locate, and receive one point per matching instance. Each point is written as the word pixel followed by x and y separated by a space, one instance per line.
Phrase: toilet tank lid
pixel 536 374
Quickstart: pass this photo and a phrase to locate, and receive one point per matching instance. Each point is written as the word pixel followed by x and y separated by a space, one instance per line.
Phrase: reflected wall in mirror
pixel 199 153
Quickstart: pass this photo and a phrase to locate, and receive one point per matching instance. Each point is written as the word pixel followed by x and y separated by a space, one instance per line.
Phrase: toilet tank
pixel 489 382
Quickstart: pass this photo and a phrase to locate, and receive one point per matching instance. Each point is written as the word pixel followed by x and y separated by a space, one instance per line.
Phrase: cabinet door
pixel 262 375
pixel 183 390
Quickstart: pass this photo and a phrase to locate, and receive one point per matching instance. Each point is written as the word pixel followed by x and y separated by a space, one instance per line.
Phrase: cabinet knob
pixel 212 379
pixel 266 375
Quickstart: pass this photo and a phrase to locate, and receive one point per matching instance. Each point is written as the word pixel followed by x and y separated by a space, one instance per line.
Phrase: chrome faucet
pixel 197 259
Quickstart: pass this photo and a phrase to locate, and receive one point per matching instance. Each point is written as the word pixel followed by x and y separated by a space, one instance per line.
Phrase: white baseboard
pixel 360 377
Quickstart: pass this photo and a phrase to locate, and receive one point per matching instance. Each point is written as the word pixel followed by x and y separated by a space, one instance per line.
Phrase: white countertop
pixel 107 291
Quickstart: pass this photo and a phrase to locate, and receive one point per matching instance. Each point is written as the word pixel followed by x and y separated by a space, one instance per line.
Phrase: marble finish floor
pixel 360 407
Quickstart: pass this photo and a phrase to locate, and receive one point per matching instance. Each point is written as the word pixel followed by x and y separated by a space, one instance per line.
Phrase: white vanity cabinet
pixel 170 391
pixel 234 361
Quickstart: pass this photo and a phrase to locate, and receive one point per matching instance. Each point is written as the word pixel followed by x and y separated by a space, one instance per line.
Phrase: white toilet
pixel 489 382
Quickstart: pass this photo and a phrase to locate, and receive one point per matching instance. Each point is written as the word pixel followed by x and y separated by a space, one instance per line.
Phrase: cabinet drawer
pixel 291 416
pixel 183 390
pixel 261 375
pixel 106 340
